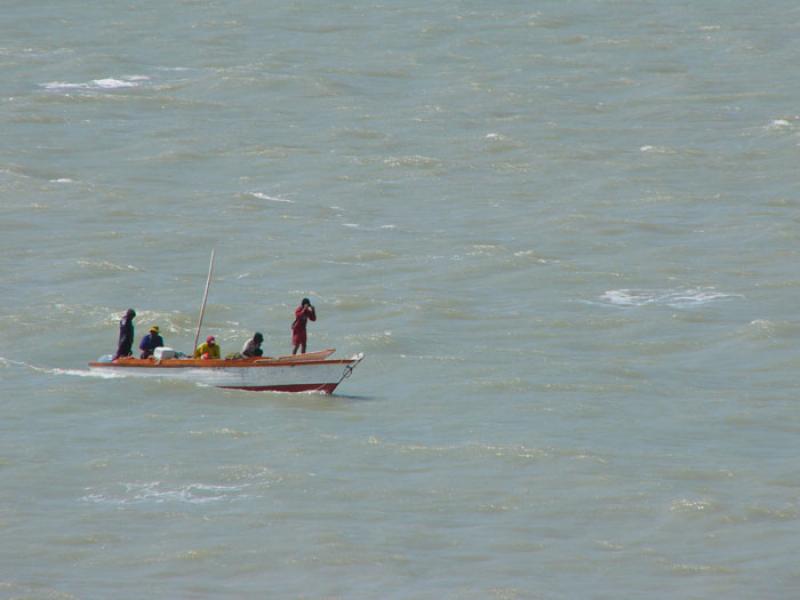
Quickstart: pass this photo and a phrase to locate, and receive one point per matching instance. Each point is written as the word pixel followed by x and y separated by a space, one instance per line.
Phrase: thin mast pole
pixel 205 298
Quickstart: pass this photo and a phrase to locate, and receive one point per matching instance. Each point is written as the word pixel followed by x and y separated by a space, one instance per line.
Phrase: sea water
pixel 565 235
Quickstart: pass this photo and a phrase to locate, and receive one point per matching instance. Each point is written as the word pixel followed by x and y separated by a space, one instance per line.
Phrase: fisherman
pixel 252 347
pixel 302 315
pixel 125 335
pixel 208 349
pixel 150 342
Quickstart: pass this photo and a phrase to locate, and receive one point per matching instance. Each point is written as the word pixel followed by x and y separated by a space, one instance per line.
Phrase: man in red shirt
pixel 302 315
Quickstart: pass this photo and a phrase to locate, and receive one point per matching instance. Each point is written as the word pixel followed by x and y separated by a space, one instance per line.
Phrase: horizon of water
pixel 564 234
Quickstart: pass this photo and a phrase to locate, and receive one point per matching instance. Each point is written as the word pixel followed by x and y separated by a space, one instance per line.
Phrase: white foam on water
pixel 373 228
pixel 6 362
pixel 779 125
pixel 104 265
pixel 533 255
pixel 765 324
pixel 154 492
pixel 415 160
pixel 106 83
pixel 111 84
pixel 685 298
pixel 656 150
pixel 63 85
pixel 263 196
pixel 430 357
pixel 692 506
pixel 77 372
pixel 82 373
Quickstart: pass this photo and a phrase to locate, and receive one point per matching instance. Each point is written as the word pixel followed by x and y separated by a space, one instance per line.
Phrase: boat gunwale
pixel 193 363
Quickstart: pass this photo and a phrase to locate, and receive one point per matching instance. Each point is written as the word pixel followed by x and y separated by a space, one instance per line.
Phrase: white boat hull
pixel 265 375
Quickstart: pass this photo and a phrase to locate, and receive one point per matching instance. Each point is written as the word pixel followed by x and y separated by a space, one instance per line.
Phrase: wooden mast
pixel 205 299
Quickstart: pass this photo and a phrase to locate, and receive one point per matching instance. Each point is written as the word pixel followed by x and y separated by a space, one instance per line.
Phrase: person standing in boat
pixel 302 314
pixel 150 342
pixel 252 347
pixel 208 349
pixel 125 343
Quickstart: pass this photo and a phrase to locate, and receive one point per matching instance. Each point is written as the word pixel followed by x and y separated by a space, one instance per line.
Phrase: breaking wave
pixel 263 196
pixel 155 492
pixel 682 298
pixel 108 83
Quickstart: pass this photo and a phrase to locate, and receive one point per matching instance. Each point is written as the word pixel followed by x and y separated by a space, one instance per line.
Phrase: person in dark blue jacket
pixel 125 335
pixel 150 342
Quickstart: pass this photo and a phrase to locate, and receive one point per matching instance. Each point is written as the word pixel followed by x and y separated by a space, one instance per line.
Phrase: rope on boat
pixel 348 370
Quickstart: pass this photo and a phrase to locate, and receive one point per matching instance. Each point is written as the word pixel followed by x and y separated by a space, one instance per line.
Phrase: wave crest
pixel 675 298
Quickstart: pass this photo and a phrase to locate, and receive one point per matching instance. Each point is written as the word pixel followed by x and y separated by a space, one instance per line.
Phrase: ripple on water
pixel 103 267
pixel 18 590
pixel 766 513
pixel 512 452
pixel 413 162
pixel 700 569
pixel 258 473
pixel 766 329
pixel 693 507
pixel 374 340
pixel 221 432
pixel 700 474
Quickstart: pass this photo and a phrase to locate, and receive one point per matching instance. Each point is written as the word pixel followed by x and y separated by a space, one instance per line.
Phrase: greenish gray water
pixel 565 234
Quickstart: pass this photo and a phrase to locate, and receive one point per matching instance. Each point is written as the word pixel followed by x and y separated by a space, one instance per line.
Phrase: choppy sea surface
pixel 566 235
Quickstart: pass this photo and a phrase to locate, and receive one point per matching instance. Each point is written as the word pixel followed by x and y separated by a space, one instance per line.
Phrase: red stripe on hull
pixel 325 388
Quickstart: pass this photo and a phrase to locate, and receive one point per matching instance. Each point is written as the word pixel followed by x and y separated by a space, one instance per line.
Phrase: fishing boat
pixel 307 372
pixel 310 372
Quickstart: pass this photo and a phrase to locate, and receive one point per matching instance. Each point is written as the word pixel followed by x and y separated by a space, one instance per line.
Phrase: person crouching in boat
pixel 302 315
pixel 150 342
pixel 208 349
pixel 252 347
pixel 125 335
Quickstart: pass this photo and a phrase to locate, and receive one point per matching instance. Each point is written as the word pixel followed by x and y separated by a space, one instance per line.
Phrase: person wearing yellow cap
pixel 150 342
pixel 208 349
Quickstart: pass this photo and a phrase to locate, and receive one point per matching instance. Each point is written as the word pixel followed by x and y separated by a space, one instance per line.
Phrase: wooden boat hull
pixel 301 373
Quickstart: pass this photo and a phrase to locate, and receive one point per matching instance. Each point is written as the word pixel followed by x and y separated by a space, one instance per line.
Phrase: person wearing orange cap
pixel 208 349
pixel 150 342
